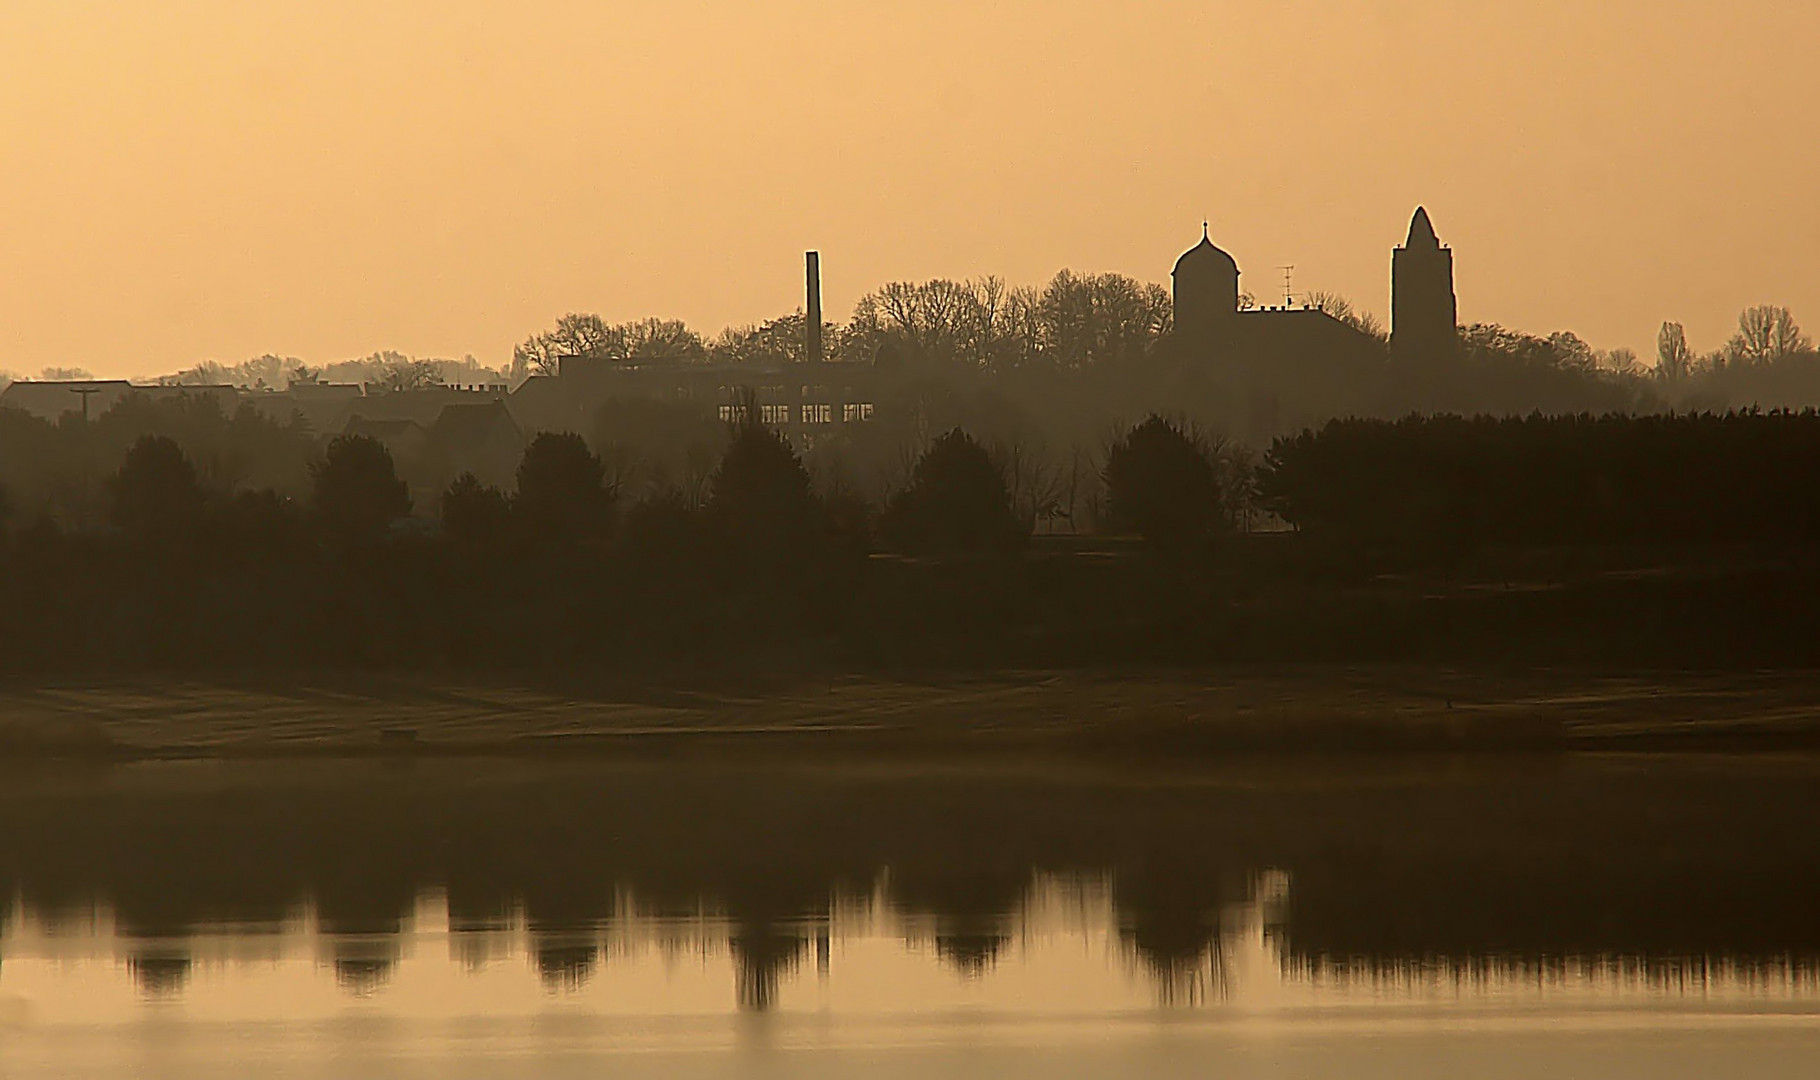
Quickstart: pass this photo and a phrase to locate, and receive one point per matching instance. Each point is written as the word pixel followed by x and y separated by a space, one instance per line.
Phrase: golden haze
pixel 200 179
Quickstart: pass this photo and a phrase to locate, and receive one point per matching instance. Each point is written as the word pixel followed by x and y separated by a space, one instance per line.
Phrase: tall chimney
pixel 812 265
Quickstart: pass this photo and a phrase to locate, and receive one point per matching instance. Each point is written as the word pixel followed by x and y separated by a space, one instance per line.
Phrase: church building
pixel 1291 353
pixel 1211 322
pixel 1210 319
pixel 1424 315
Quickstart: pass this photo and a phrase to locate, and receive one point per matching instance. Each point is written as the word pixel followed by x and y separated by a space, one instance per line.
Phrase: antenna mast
pixel 86 392
pixel 1288 279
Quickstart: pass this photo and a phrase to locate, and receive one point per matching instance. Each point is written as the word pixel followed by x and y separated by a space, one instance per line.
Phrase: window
pixel 731 413
pixel 774 414
pixel 818 414
pixel 859 410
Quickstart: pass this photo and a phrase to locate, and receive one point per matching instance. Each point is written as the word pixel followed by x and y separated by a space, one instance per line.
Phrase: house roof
pixel 52 398
pixel 472 423
pixel 382 428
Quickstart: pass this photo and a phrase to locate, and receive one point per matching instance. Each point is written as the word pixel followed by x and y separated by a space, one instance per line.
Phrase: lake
pixel 1365 916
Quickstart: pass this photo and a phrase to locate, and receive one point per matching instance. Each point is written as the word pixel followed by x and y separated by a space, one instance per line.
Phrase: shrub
pixel 1162 484
pixel 562 490
pixel 155 493
pixel 474 513
pixel 356 491
pixel 956 502
pixel 761 503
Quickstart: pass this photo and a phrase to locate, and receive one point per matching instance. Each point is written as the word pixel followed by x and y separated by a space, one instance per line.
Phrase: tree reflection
pixel 565 966
pixel 763 954
pixel 363 966
pixel 971 946
pixel 1175 934
pixel 160 974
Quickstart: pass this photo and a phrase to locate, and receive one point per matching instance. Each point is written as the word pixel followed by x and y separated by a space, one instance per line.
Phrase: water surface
pixel 1366 917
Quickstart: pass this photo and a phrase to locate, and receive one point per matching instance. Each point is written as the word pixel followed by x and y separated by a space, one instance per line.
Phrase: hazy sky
pixel 190 179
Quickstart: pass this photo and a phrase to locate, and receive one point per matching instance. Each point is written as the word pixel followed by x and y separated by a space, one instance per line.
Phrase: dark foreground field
pixel 1137 711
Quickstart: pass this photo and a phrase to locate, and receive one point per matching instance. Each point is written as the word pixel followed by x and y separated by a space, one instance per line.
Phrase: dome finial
pixel 1205 253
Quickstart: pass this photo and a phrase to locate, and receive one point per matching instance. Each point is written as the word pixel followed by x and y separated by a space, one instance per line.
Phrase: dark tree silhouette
pixel 155 493
pixel 474 513
pixel 956 502
pixel 356 491
pixel 760 499
pixel 562 489
pixel 1446 483
pixel 660 534
pixel 1161 482
pixel 258 523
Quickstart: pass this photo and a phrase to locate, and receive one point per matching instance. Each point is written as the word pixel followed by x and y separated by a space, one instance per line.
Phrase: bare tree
pixel 1036 488
pixel 1074 321
pixel 1619 361
pixel 1023 335
pixel 576 335
pixel 1766 334
pixel 396 371
pixel 1081 470
pixel 1674 360
pixel 656 340
pixel 1091 319
pixel 1339 307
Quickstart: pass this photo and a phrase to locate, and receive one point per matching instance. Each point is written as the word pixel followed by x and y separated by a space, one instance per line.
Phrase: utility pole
pixel 85 392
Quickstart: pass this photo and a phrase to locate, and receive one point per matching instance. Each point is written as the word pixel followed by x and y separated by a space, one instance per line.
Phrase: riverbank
pixel 1301 709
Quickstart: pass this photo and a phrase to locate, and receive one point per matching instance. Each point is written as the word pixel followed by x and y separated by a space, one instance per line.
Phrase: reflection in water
pixel 1068 945
pixel 362 975
pixel 1486 978
pixel 565 966
pixel 1065 920
pixel 459 890
pixel 159 974
pixel 972 945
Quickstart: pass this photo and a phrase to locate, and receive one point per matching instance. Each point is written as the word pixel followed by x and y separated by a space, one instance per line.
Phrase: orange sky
pixel 197 179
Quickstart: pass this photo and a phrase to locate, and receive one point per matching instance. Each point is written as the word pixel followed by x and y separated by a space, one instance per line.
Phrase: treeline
pixel 1073 356
pixel 187 560
pixel 1164 482
pixel 1058 365
pixel 1073 322
pixel 1423 483
pixel 58 471
pixel 1423 480
pixel 566 568
pixel 388 369
pixel 647 448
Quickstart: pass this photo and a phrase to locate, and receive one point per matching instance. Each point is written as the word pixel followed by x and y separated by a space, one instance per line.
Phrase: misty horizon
pixel 469 365
pixel 305 180
pixel 814 538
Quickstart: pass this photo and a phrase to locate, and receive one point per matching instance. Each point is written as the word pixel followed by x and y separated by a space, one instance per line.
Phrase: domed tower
pixel 1206 291
pixel 1423 313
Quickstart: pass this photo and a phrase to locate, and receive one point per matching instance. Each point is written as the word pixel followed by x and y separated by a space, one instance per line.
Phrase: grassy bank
pixel 1303 709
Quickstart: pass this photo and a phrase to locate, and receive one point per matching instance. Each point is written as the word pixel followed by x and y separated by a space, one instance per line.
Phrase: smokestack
pixel 812 265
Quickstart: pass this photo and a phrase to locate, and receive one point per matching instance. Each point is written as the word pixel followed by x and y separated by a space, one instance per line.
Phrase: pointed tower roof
pixel 1422 231
pixel 1205 253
